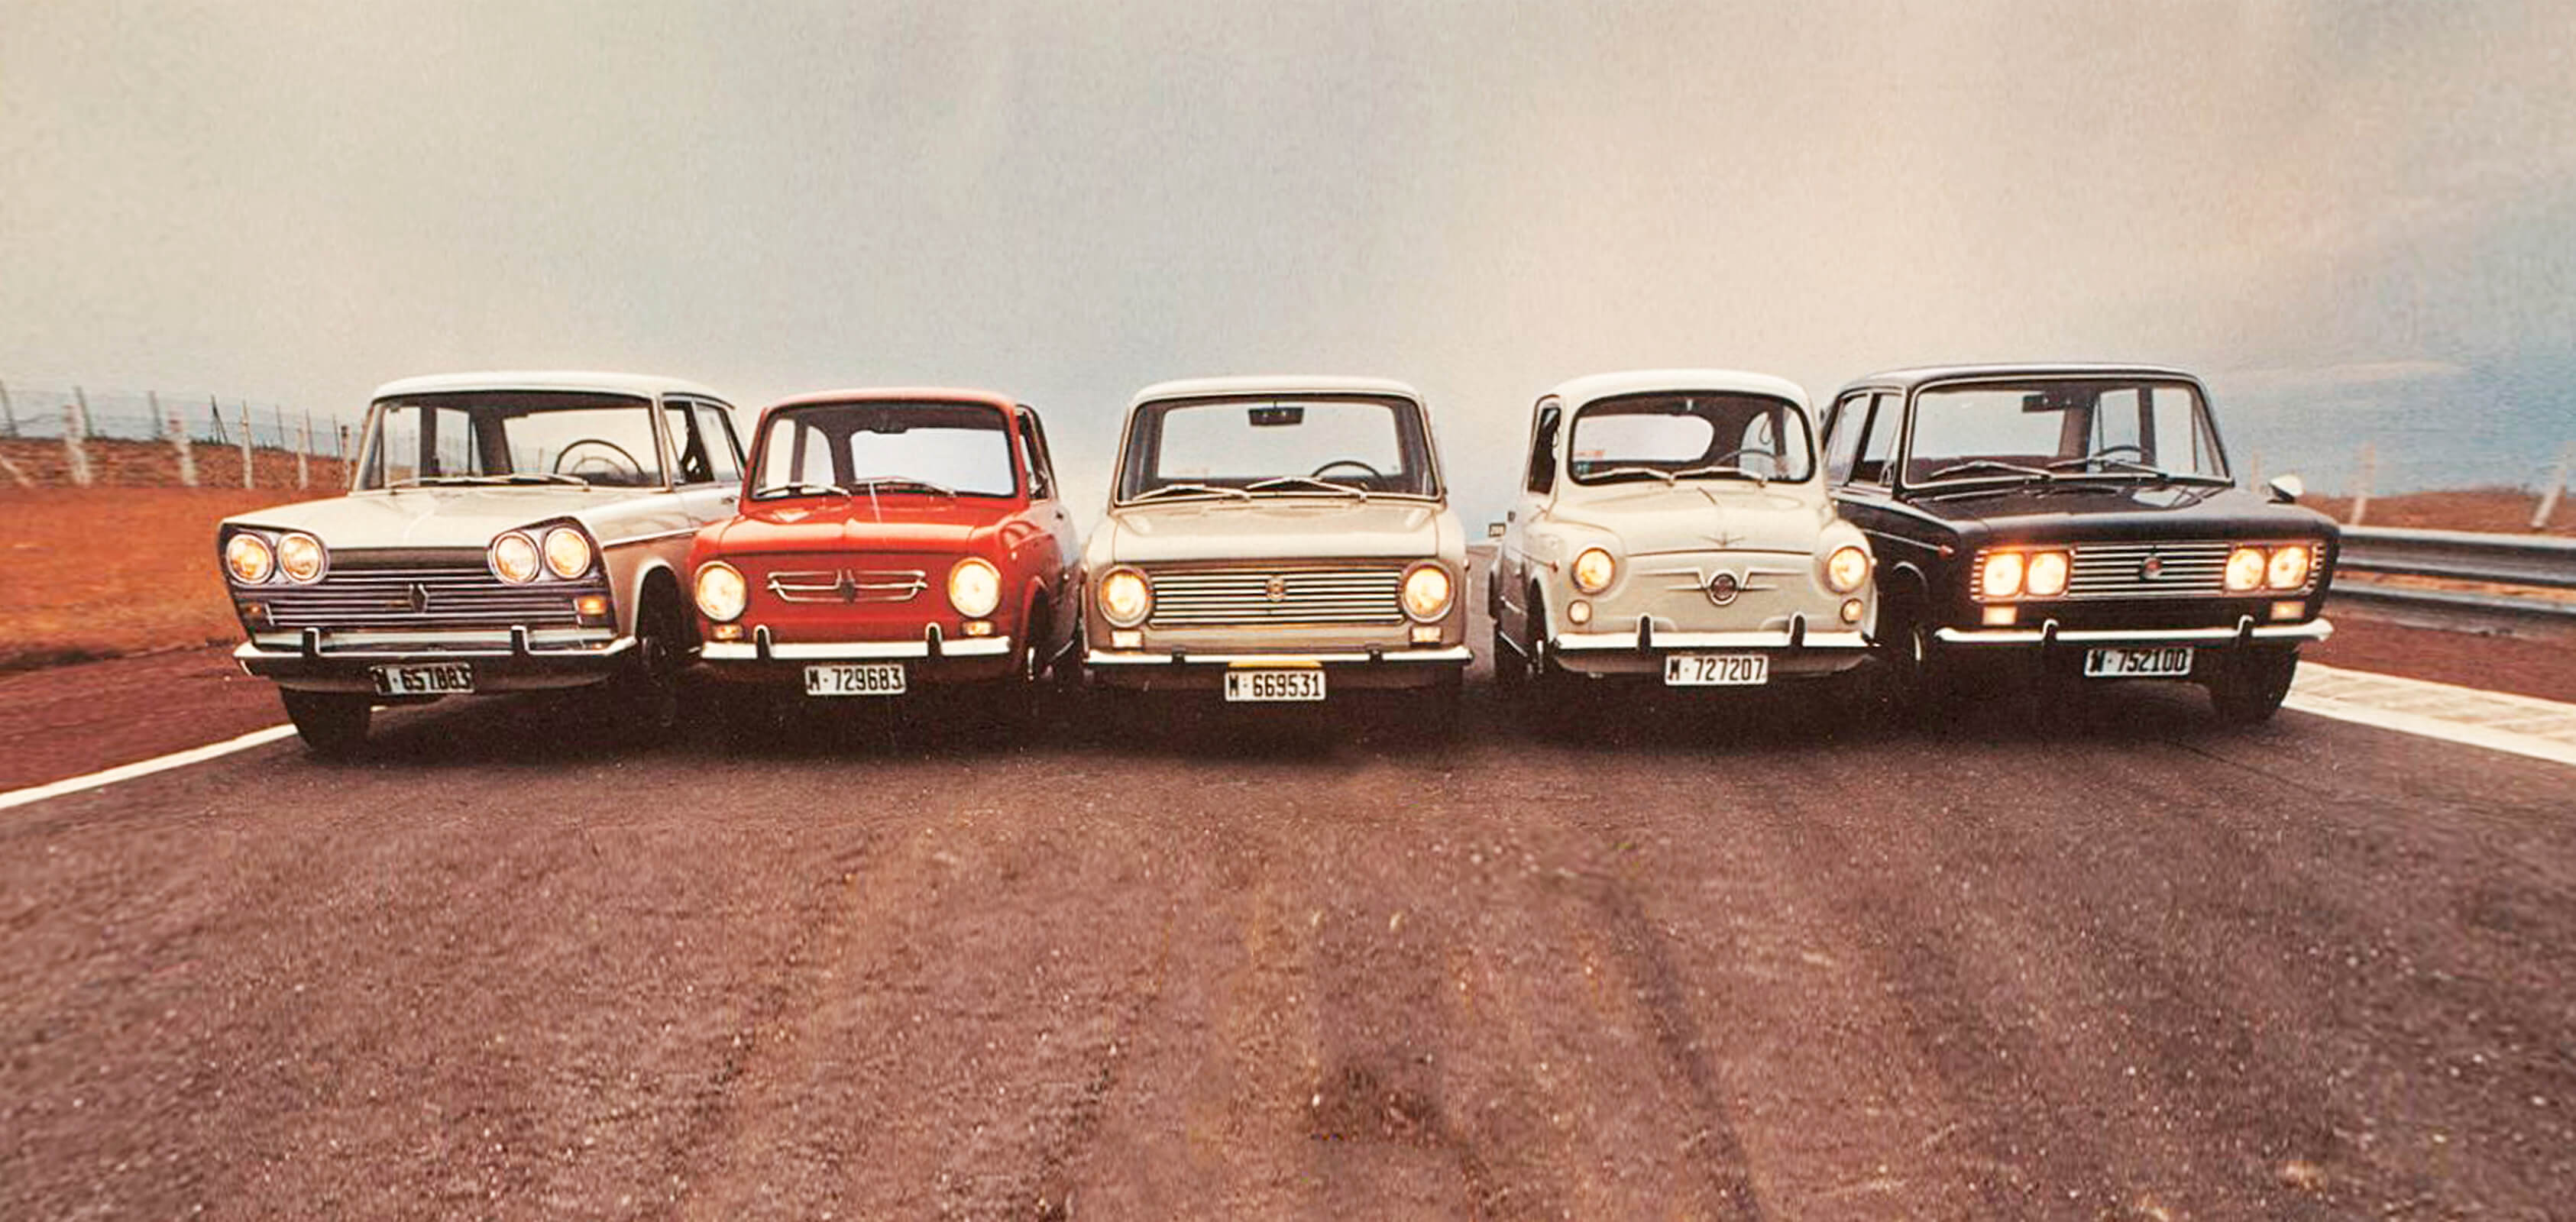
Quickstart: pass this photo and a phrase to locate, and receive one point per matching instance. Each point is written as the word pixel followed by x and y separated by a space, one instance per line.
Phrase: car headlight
pixel 567 552
pixel 720 591
pixel 974 587
pixel 1593 570
pixel 1846 569
pixel 249 558
pixel 2288 568
pixel 2002 575
pixel 1125 599
pixel 2245 567
pixel 514 558
pixel 299 556
pixel 1427 590
pixel 2044 574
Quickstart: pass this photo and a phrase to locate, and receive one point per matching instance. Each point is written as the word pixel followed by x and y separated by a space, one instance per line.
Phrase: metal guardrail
pixel 2531 561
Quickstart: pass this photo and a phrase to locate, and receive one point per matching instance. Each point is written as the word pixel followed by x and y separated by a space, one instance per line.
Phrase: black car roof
pixel 1909 378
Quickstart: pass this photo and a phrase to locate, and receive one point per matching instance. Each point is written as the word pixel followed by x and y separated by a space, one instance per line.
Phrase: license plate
pixel 1716 669
pixel 2165 662
pixel 855 679
pixel 429 679
pixel 1274 684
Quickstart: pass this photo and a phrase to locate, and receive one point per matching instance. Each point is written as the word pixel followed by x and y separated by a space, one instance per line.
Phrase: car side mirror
pixel 1493 530
pixel 2287 489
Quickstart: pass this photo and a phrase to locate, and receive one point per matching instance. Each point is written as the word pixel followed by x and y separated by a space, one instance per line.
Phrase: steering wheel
pixel 1373 473
pixel 605 463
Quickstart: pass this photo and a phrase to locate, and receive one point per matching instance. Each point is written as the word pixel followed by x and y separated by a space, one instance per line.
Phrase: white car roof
pixel 1280 384
pixel 644 385
pixel 1580 391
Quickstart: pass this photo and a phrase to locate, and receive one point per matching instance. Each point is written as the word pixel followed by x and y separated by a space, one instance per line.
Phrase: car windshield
pixel 2050 429
pixel 944 449
pixel 576 438
pixel 1673 436
pixel 1271 445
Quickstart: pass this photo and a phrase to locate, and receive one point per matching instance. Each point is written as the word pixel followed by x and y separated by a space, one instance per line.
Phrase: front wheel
pixel 646 699
pixel 2249 688
pixel 1905 669
pixel 332 724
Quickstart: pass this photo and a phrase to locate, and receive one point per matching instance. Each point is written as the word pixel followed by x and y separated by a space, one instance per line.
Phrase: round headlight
pixel 2002 576
pixel 721 592
pixel 2245 568
pixel 567 552
pixel 2288 569
pixel 1125 599
pixel 1426 592
pixel 248 558
pixel 514 558
pixel 2046 573
pixel 974 587
pixel 1593 570
pixel 1846 569
pixel 299 556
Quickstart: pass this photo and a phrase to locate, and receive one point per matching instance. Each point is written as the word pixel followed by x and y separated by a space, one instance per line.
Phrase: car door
pixel 1512 560
pixel 706 458
pixel 1060 549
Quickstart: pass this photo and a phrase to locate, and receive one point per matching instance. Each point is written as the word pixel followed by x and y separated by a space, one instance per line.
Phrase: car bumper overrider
pixel 1795 651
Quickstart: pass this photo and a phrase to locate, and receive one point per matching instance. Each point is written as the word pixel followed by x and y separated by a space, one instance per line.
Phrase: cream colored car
pixel 1278 540
pixel 1672 528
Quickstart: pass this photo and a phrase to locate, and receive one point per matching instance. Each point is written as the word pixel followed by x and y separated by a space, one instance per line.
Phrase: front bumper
pixel 1795 651
pixel 1400 667
pixel 2245 632
pixel 504 660
pixel 762 659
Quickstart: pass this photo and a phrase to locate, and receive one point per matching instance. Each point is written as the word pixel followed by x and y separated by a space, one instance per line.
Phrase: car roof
pixel 899 394
pixel 1909 378
pixel 644 385
pixel 1280 384
pixel 1579 391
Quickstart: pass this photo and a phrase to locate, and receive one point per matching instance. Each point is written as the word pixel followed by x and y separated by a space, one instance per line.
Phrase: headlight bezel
pixel 580 538
pixel 2306 555
pixel 1999 575
pixel 1859 578
pixel 1608 570
pixel 1120 575
pixel 267 553
pixel 1448 592
pixel 2061 564
pixel 2254 561
pixel 992 596
pixel 698 593
pixel 287 569
pixel 536 561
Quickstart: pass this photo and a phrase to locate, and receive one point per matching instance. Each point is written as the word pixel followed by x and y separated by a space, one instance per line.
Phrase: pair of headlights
pixel 252 559
pixel 1126 598
pixel 2024 574
pixel 2283 567
pixel 519 557
pixel 974 589
pixel 1844 569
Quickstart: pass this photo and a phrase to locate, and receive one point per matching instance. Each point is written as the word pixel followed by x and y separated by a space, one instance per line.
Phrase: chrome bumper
pixel 567 646
pixel 1649 641
pixel 2246 630
pixel 765 650
pixel 1453 655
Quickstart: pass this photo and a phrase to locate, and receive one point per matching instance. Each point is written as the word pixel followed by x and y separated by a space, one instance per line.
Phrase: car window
pixel 1878 443
pixel 1542 462
pixel 1279 445
pixel 1041 467
pixel 1842 442
pixel 2176 415
pixel 1688 434
pixel 887 447
pixel 2088 426
pixel 688 448
pixel 715 424
pixel 512 436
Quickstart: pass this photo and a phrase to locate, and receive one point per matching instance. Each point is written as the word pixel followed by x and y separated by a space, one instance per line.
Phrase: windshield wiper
pixel 1190 489
pixel 1618 473
pixel 514 477
pixel 2078 464
pixel 1991 464
pixel 874 482
pixel 1309 481
pixel 799 488
pixel 1728 470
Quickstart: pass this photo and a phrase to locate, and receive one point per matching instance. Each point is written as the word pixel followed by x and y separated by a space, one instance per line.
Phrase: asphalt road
pixel 2117 962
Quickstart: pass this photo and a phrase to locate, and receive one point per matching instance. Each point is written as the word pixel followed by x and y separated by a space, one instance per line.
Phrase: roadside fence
pixel 78 437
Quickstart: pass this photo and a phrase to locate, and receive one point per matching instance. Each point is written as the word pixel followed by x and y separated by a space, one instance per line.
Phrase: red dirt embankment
pixel 103 572
pixel 2504 511
pixel 155 464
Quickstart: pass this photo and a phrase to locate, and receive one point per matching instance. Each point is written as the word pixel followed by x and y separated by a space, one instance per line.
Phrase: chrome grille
pixel 459 595
pixel 848 586
pixel 1303 594
pixel 2120 570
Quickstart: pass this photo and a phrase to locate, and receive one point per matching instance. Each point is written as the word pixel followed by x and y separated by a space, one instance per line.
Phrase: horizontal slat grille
pixel 2119 570
pixel 443 596
pixel 1353 594
pixel 848 585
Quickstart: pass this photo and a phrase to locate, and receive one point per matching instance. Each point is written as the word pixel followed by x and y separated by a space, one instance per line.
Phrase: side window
pixel 686 445
pixel 1879 444
pixel 1041 467
pixel 724 453
pixel 1542 463
pixel 1842 440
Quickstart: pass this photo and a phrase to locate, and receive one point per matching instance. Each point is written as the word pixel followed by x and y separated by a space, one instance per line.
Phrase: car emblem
pixel 1277 589
pixel 1723 588
pixel 2151 568
pixel 847 587
pixel 419 599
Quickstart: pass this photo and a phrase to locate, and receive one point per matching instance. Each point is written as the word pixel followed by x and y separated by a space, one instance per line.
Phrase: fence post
pixel 8 412
pixel 75 431
pixel 178 434
pixel 2557 484
pixel 2364 465
pixel 304 455
pixel 247 482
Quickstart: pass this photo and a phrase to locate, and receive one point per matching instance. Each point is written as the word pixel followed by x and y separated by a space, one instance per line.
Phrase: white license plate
pixel 855 679
pixel 1305 684
pixel 427 679
pixel 1716 669
pixel 2163 662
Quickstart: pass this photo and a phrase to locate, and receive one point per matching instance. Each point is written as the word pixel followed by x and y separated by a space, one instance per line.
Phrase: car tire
pixel 645 699
pixel 333 725
pixel 2249 687
pixel 1907 678
pixel 1019 700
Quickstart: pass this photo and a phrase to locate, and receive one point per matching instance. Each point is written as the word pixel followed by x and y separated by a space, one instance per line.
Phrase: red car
pixel 887 541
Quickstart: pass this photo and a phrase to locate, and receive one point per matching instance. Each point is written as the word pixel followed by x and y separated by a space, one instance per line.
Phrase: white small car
pixel 1672 528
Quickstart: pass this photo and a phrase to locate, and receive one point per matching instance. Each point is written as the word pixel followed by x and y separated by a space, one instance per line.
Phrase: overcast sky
pixel 1065 201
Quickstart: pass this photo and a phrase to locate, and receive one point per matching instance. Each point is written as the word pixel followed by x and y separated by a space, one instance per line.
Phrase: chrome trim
pixel 251 651
pixel 856 651
pixel 1747 639
pixel 2313 630
pixel 846 585
pixel 606 544
pixel 1282 592
pixel 1102 657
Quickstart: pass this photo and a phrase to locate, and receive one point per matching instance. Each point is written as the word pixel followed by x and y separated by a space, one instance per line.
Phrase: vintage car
pixel 890 540
pixel 2079 523
pixel 1672 527
pixel 1278 539
pixel 503 532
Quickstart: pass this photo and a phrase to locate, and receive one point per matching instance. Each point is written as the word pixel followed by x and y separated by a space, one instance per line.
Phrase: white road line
pixel 127 772
pixel 2497 721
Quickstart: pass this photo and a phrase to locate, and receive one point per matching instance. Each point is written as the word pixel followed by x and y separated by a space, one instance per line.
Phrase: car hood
pixel 1648 518
pixel 809 524
pixel 1273 528
pixel 2122 510
pixel 427 517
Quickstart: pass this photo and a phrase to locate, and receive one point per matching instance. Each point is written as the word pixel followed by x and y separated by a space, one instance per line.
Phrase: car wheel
pixel 1905 669
pixel 332 724
pixel 1019 701
pixel 2249 688
pixel 646 699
